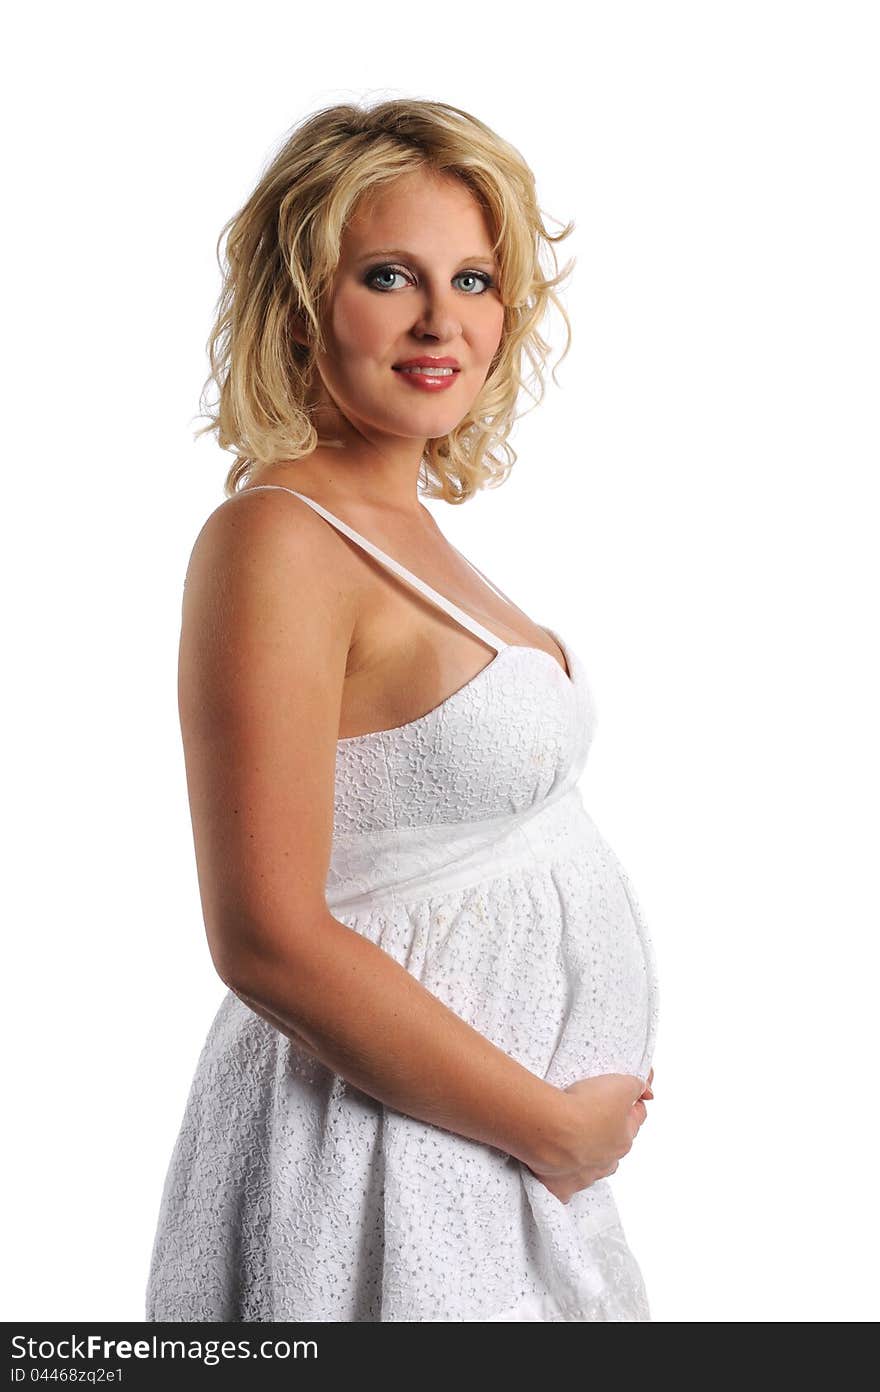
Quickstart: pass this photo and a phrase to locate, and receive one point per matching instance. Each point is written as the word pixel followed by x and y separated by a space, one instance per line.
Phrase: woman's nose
pixel 438 318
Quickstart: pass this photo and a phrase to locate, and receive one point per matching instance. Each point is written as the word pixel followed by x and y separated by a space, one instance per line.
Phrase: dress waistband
pixel 406 864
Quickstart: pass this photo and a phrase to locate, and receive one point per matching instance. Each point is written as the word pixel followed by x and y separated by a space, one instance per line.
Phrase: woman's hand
pixel 604 1116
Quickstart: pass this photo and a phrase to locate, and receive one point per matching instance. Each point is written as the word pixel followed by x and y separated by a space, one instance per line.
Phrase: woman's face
pixel 416 278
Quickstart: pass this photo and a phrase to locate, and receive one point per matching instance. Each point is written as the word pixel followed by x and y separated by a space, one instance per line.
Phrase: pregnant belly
pixel 553 963
pixel 610 1021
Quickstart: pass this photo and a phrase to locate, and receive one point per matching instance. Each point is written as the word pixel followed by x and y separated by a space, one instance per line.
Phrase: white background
pixel 694 507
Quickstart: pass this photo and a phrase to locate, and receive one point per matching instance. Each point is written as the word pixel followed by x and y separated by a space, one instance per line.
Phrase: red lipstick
pixel 428 374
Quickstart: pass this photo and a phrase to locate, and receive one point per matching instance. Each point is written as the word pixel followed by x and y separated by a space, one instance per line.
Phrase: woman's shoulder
pixel 259 533
pixel 271 513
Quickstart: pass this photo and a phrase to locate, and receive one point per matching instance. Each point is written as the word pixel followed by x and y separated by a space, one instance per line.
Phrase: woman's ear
pixel 298 331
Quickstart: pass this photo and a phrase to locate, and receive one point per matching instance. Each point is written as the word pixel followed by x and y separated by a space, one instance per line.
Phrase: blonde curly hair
pixel 283 246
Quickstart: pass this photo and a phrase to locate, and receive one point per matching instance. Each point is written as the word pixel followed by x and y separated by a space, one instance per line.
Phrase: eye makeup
pixel 483 276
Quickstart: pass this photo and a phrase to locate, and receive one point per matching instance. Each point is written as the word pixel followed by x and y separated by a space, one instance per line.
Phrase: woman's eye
pixel 478 276
pixel 388 273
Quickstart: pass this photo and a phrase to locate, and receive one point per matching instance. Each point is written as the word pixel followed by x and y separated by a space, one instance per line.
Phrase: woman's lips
pixel 427 380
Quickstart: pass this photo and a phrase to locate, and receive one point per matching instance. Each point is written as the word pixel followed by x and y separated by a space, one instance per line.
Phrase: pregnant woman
pixel 437 1037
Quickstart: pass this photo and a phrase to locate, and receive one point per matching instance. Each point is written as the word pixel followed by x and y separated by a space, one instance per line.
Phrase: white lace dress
pixel 461 847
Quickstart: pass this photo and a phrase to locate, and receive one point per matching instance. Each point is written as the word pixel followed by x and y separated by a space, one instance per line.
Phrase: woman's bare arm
pixel 264 643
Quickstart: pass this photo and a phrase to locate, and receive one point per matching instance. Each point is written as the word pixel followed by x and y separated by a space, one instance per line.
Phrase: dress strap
pixel 490 583
pixel 472 625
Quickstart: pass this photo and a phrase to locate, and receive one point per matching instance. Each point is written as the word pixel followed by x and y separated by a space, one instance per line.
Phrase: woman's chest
pixel 500 744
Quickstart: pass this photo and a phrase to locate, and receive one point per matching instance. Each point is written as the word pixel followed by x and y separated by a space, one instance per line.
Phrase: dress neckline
pixel 571 684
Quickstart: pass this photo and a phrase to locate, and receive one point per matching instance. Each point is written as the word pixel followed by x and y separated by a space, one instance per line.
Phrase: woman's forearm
pixel 365 1017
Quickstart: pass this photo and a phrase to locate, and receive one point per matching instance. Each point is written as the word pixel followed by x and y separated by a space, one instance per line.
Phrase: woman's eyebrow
pixel 410 256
